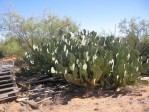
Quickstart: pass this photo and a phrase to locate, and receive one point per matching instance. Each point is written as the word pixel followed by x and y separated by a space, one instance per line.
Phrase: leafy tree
pixel 34 30
pixel 11 46
pixel 136 32
pixel 140 28
pixel 137 37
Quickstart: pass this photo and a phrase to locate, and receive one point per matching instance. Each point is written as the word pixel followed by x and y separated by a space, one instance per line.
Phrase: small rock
pixel 96 109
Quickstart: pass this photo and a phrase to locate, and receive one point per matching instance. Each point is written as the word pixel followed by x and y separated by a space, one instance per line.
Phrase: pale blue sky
pixel 91 14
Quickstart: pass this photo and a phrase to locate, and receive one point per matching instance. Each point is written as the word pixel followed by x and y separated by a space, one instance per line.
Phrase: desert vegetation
pixel 58 48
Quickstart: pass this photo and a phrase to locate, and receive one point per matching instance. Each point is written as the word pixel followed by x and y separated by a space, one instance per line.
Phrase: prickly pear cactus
pixel 87 60
pixel 125 64
pixel 81 59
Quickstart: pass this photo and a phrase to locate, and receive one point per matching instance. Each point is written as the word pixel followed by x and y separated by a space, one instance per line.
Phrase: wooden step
pixel 5 76
pixel 8 72
pixel 7 98
pixel 8 94
pixel 9 88
pixel 6 81
pixel 7 84
pixel 5 68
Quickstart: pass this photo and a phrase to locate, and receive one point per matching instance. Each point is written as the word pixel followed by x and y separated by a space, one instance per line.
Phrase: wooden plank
pixel 5 68
pixel 50 79
pixel 9 88
pixel 8 94
pixel 43 80
pixel 5 72
pixel 8 80
pixel 37 77
pixel 6 76
pixel 11 97
pixel 7 84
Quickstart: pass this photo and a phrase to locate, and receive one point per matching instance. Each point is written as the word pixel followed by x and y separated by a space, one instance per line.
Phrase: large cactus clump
pixel 42 59
pixel 81 60
pixel 87 60
pixel 126 66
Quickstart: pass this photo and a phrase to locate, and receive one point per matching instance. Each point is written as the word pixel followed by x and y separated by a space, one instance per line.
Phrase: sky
pixel 98 15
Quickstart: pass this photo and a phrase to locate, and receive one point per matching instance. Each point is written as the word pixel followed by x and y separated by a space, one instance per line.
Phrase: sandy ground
pixel 134 100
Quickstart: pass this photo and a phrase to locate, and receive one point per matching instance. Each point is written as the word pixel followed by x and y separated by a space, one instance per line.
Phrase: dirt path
pixel 135 101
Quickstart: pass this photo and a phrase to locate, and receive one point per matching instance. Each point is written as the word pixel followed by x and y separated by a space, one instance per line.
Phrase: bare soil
pixel 129 99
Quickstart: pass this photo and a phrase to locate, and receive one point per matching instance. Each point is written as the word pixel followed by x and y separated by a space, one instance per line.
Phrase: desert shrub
pixel 1 54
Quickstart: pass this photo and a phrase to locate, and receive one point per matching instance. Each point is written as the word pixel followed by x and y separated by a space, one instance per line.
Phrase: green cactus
pixel 87 60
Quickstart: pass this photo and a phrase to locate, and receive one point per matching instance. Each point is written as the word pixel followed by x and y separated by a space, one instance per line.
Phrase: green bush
pixel 1 54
